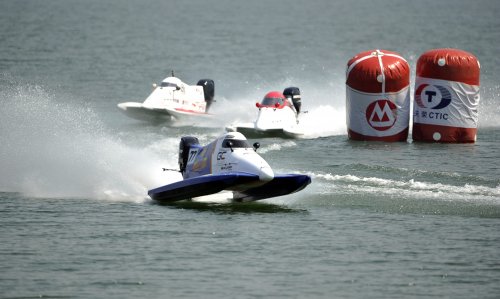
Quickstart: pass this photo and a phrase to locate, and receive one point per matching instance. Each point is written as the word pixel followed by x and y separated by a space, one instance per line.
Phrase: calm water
pixel 380 220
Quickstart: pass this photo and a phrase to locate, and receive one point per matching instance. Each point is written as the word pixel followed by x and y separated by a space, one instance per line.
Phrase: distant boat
pixel 173 100
pixel 277 117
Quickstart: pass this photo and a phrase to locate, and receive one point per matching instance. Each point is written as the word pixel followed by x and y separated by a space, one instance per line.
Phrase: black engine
pixel 184 146
pixel 208 90
pixel 293 93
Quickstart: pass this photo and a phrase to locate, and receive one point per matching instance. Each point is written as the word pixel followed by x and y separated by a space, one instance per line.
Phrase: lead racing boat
pixel 278 116
pixel 228 163
pixel 172 100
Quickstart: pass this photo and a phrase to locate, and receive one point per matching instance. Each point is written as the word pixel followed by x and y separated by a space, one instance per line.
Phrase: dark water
pixel 383 220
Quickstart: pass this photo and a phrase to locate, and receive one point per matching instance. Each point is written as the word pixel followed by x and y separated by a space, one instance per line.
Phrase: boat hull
pixel 200 186
pixel 252 132
pixel 280 185
pixel 209 184
pixel 140 112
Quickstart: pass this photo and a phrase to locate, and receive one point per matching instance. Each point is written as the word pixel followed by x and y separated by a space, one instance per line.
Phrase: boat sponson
pixel 281 185
pixel 200 186
pixel 257 133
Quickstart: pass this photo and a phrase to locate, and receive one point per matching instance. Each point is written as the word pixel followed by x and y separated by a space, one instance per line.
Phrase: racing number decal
pixel 192 155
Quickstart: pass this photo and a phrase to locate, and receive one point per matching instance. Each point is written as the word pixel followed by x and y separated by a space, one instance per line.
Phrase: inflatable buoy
pixel 378 96
pixel 446 97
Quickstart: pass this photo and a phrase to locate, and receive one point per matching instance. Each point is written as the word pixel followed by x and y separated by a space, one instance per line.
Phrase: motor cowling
pixel 184 146
pixel 208 90
pixel 293 93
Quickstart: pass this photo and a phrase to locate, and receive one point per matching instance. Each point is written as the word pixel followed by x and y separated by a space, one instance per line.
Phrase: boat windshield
pixel 168 84
pixel 235 143
pixel 272 101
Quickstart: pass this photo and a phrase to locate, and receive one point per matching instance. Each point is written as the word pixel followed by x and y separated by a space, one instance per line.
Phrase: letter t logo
pixel 429 95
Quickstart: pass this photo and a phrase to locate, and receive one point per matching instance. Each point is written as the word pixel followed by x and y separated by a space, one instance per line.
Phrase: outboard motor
pixel 184 146
pixel 293 93
pixel 208 90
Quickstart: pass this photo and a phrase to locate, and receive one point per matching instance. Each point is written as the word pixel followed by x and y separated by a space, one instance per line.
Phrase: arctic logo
pixel 432 96
pixel 381 114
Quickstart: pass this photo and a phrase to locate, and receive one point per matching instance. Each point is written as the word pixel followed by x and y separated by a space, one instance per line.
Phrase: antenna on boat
pixel 229 144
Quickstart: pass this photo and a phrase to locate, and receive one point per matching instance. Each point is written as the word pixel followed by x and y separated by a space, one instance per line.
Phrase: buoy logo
pixel 432 96
pixel 381 114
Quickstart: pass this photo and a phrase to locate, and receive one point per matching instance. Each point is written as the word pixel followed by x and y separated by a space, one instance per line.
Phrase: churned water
pixel 380 220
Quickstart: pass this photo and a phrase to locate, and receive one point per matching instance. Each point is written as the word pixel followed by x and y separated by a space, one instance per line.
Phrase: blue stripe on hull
pixel 281 185
pixel 200 186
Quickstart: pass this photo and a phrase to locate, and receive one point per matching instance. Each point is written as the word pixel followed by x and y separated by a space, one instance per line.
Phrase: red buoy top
pixel 378 71
pixel 449 64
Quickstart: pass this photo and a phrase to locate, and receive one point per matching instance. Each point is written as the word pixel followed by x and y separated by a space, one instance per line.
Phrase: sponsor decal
pixel 431 115
pixel 226 167
pixel 381 114
pixel 220 155
pixel 432 96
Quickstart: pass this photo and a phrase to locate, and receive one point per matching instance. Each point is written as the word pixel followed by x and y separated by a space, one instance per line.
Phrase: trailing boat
pixel 173 99
pixel 278 116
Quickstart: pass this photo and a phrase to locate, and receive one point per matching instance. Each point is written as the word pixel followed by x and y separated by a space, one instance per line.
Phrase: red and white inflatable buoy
pixel 378 96
pixel 446 97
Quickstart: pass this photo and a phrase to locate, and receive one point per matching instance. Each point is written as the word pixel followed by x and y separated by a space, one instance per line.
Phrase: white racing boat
pixel 173 99
pixel 278 116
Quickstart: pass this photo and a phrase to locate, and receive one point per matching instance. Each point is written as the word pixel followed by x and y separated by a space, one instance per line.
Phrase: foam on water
pixel 410 189
pixel 277 146
pixel 324 120
pixel 51 148
pixel 323 107
pixel 54 149
pixel 488 107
